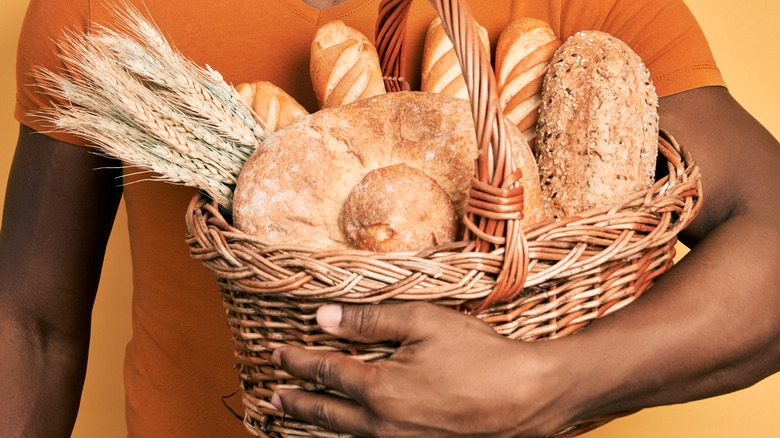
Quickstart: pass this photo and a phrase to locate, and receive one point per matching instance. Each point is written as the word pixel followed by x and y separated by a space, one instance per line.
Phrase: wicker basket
pixel 545 281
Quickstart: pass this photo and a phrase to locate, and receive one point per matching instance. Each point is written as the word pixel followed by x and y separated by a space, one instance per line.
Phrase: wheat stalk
pixel 140 100
pixel 197 85
pixel 138 148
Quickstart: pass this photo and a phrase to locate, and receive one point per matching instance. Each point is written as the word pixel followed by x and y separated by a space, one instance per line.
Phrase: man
pixel 706 328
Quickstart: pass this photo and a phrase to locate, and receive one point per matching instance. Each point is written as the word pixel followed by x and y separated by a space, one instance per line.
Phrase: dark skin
pixel 57 218
pixel 708 327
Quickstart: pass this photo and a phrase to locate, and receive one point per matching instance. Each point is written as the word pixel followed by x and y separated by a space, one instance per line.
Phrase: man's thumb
pixel 367 322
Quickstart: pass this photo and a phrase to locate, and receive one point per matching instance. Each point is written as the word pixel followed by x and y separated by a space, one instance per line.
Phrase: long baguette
pixel 344 66
pixel 273 108
pixel 523 55
pixel 440 67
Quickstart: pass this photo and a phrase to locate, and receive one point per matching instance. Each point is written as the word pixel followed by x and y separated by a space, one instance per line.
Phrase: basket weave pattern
pixel 553 279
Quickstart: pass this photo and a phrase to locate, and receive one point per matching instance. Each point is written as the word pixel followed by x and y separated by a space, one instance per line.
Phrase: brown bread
pixel 598 126
pixel 293 188
pixel 523 54
pixel 344 66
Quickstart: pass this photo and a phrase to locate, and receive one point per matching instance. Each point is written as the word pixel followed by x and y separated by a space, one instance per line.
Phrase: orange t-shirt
pixel 179 363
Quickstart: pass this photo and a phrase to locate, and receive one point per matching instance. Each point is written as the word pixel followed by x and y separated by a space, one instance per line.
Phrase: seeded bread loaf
pixel 598 126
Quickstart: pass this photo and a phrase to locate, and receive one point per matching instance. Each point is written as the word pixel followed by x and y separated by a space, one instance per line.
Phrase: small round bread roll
pixel 383 213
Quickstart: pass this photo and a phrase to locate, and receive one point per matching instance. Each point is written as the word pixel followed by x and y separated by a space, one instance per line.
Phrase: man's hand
pixel 707 327
pixel 452 375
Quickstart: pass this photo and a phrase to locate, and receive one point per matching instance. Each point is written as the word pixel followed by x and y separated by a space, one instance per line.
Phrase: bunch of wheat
pixel 134 96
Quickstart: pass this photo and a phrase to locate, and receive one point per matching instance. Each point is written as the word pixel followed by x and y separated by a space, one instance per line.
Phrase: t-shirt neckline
pixel 324 15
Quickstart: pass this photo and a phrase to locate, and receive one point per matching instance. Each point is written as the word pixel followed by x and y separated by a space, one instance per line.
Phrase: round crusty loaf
pixel 293 187
pixel 383 213
pixel 598 125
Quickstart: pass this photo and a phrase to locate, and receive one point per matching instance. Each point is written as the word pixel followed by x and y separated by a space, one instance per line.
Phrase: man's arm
pixel 59 209
pixel 709 326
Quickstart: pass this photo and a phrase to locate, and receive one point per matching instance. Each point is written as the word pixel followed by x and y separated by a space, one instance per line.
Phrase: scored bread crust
pixel 292 189
pixel 344 66
pixel 273 108
pixel 598 126
pixel 523 54
pixel 441 71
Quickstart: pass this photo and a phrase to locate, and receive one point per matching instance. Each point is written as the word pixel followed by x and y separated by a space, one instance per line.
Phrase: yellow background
pixel 744 37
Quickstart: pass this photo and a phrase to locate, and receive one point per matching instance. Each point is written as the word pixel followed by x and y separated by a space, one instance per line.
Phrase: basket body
pixel 569 272
pixel 580 269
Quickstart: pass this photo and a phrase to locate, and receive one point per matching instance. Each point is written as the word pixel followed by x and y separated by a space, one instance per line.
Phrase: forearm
pixel 709 326
pixel 41 376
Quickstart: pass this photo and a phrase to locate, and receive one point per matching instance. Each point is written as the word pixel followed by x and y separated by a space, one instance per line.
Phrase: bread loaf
pixel 441 72
pixel 398 208
pixel 598 126
pixel 523 54
pixel 294 186
pixel 273 108
pixel 344 66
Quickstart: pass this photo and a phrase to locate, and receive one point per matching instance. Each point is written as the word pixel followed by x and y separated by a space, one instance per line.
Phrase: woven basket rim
pixel 651 218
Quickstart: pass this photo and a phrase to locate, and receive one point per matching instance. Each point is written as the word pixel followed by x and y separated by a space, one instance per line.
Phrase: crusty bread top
pixel 441 71
pixel 523 54
pixel 398 208
pixel 518 40
pixel 292 189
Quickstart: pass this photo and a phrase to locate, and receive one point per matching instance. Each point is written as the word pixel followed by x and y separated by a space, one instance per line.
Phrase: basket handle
pixel 495 205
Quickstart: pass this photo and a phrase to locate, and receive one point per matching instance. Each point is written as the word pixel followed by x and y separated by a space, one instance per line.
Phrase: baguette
pixel 344 66
pixel 441 72
pixel 523 55
pixel 273 108
pixel 598 125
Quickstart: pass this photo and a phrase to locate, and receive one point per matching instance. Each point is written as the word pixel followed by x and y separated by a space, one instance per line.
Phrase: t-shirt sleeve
pixel 46 22
pixel 664 33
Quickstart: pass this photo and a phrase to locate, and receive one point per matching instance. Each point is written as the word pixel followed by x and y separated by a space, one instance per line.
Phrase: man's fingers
pixel 330 412
pixel 334 371
pixel 378 323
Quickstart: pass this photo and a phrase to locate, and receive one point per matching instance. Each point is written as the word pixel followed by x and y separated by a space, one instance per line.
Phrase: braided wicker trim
pixel 560 253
